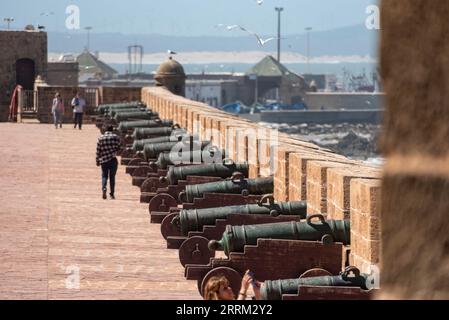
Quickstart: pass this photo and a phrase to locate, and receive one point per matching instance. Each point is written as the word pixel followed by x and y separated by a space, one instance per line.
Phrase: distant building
pixel 215 93
pixel 91 67
pixel 273 81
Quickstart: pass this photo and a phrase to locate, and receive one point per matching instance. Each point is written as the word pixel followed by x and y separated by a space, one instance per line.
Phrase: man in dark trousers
pixel 78 106
pixel 107 146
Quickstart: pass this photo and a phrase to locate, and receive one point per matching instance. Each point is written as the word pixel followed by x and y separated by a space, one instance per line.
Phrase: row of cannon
pixel 223 223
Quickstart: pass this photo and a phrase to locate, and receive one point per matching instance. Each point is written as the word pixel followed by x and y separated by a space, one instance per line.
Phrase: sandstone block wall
pixel 17 45
pixel 365 223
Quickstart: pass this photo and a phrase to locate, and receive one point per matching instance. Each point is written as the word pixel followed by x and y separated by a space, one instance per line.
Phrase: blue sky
pixel 188 17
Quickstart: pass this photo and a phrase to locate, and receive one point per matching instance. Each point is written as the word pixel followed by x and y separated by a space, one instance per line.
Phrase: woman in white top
pixel 57 110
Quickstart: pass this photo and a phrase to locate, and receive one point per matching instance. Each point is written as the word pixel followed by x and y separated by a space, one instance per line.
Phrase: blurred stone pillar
pixel 415 141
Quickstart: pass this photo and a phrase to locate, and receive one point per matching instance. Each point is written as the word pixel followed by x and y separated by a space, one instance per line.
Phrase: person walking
pixel 57 110
pixel 107 146
pixel 78 105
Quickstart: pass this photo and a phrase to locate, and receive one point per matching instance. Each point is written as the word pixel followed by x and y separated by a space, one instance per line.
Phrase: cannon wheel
pixel 316 272
pixel 195 251
pixel 134 162
pixel 234 278
pixel 150 185
pixel 162 203
pixel 168 229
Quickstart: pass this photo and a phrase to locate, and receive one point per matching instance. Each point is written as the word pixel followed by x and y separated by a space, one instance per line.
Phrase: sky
pixel 187 17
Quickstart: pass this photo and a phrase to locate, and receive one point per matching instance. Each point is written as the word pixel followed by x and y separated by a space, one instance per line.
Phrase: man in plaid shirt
pixel 107 146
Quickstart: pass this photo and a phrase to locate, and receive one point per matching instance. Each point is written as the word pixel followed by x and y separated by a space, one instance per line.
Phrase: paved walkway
pixel 54 224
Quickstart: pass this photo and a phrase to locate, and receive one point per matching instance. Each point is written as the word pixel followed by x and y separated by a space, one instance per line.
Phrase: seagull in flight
pixel 259 2
pixel 261 41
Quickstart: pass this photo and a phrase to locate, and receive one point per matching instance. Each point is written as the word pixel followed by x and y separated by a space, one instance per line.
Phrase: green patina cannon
pixel 207 155
pixel 275 289
pixel 124 126
pixel 146 133
pixel 152 151
pixel 236 237
pixel 112 112
pixel 138 145
pixel 195 219
pixel 139 115
pixel 102 109
pixel 222 170
pixel 236 185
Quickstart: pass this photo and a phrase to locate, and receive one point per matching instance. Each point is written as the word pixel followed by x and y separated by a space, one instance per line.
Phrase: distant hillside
pixel 354 40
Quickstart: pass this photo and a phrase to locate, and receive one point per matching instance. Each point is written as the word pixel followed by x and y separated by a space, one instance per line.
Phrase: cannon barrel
pixel 146 133
pixel 195 219
pixel 236 185
pixel 112 112
pixel 128 125
pixel 236 237
pixel 221 170
pixel 274 289
pixel 102 109
pixel 207 155
pixel 152 151
pixel 138 145
pixel 126 116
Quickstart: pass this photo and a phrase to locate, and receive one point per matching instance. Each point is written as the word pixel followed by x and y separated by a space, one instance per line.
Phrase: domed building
pixel 171 75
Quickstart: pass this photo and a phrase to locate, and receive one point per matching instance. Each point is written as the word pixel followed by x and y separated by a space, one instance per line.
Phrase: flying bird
pixel 259 2
pixel 261 41
pixel 171 52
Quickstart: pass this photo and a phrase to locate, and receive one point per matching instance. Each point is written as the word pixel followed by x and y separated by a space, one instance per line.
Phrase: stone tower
pixel 171 75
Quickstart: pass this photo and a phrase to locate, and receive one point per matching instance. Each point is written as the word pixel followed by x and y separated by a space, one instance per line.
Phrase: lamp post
pixel 8 21
pixel 308 29
pixel 88 29
pixel 279 10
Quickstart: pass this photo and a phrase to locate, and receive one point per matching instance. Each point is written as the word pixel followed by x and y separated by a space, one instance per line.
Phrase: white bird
pixel 171 52
pixel 259 2
pixel 261 41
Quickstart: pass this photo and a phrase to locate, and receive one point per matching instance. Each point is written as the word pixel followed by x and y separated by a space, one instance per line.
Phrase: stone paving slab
pixel 54 222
